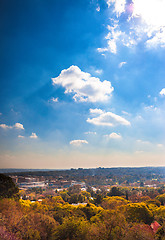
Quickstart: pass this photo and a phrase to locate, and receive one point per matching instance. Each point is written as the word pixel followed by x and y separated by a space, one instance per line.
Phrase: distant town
pixel 36 185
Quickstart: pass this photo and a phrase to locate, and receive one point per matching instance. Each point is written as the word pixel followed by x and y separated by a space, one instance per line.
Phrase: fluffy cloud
pixel 119 6
pixel 157 40
pixel 114 136
pixel 96 111
pixel 34 136
pixel 78 143
pixel 84 87
pixel 4 126
pixel 16 125
pixel 162 92
pixel 107 119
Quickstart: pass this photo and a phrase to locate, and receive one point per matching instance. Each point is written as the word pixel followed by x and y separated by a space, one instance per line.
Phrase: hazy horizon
pixel 82 84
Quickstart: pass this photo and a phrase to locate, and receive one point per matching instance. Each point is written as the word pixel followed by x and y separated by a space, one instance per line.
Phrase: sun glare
pixel 151 11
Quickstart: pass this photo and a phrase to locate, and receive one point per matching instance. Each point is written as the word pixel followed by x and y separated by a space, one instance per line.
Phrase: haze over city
pixel 82 83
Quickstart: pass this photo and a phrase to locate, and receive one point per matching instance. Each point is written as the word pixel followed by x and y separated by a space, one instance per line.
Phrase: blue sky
pixel 82 83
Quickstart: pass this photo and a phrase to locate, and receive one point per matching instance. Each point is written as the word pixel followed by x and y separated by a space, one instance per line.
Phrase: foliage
pixel 113 202
pixel 109 225
pixel 98 199
pixel 90 210
pixel 159 214
pixel 115 191
pixel 161 198
pixel 138 212
pixel 71 229
pixel 10 210
pixel 108 218
pixel 35 226
pixel 7 187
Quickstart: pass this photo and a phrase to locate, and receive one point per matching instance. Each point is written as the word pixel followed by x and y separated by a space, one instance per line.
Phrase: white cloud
pixel 54 99
pixel 115 37
pixel 112 46
pixel 107 119
pixel 34 136
pixel 157 40
pixel 84 87
pixel 122 64
pixel 4 126
pixel 101 50
pixel 96 111
pixel 151 13
pixel 119 6
pixel 162 92
pixel 109 3
pixel 114 136
pixel 20 136
pixel 98 9
pixel 145 23
pixel 78 143
pixel 16 125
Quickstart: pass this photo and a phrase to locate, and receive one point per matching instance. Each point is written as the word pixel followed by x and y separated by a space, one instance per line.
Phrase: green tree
pixel 90 210
pixel 113 202
pixel 65 196
pixel 71 229
pixel 115 191
pixel 161 198
pixel 138 212
pixel 98 199
pixel 8 188
pixel 73 198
